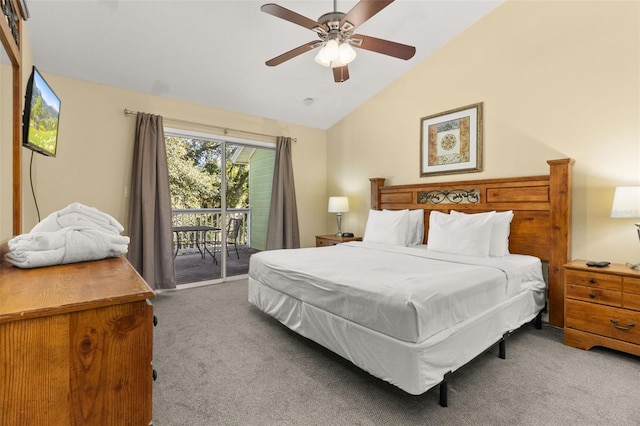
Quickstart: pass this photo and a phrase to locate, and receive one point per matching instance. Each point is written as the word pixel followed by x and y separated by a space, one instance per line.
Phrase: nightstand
pixel 602 307
pixel 332 240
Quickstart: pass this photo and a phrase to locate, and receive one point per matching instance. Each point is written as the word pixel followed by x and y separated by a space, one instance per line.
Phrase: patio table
pixel 201 238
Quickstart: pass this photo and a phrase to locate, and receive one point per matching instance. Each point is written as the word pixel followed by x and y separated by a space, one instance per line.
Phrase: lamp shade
pixel 626 202
pixel 338 204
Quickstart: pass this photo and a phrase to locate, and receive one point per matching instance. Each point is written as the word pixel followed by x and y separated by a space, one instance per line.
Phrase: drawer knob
pixel 154 374
pixel 620 327
pixel 592 280
pixel 591 295
pixel 155 320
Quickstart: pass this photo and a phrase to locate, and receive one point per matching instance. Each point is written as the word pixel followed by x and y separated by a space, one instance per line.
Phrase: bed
pixel 368 301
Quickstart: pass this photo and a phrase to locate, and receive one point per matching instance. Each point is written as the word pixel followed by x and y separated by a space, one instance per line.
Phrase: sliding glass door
pixel 220 213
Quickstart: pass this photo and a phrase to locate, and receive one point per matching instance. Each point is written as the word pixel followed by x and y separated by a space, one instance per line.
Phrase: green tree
pixel 194 174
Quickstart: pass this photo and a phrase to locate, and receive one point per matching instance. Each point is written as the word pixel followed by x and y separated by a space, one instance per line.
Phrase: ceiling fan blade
pixel 363 11
pixel 385 47
pixel 341 74
pixel 291 16
pixel 293 53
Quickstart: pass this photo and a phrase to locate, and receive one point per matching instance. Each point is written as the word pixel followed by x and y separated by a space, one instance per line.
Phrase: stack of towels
pixel 76 233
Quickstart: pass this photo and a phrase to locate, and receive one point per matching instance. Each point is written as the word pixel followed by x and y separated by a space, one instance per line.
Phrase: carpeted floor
pixel 220 361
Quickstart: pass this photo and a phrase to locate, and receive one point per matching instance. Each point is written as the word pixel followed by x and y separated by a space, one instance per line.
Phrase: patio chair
pixel 233 231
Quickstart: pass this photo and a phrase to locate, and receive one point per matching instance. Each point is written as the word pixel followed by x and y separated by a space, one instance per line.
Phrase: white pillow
pixel 468 235
pixel 387 227
pixel 415 229
pixel 499 233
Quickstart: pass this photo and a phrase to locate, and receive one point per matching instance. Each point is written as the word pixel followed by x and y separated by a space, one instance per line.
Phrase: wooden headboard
pixel 541 206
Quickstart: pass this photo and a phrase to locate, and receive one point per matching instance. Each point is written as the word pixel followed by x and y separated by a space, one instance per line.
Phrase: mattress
pixel 411 294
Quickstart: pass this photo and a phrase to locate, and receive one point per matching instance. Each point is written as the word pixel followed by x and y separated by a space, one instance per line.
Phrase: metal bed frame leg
pixel 538 321
pixel 502 347
pixel 502 353
pixel 444 390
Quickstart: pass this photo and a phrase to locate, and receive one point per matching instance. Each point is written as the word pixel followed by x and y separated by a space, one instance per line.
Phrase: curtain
pixel 282 230
pixel 151 245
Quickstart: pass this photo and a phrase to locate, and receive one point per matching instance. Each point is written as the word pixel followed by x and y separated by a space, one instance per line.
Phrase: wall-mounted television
pixel 41 116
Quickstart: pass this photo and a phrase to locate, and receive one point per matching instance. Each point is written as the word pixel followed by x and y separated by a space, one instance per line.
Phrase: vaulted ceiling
pixel 214 52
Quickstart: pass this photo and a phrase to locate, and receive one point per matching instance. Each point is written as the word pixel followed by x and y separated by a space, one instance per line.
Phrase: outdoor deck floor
pixel 192 268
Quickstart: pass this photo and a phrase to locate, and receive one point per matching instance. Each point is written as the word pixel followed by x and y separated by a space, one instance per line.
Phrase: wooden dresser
pixel 602 307
pixel 75 345
pixel 332 240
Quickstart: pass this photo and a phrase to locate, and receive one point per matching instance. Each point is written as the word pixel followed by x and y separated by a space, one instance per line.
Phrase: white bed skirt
pixel 413 367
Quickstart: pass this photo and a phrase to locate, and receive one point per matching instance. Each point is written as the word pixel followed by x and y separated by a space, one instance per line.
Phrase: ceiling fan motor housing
pixel 332 21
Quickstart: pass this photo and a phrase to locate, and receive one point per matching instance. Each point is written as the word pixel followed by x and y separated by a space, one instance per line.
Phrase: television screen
pixel 41 114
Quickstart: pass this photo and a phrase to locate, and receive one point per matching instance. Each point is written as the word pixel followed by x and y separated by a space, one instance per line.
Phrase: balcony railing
pixel 187 241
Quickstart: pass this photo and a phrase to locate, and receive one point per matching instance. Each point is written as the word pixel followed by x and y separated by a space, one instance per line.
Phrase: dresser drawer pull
pixel 615 324
pixel 591 295
pixel 592 280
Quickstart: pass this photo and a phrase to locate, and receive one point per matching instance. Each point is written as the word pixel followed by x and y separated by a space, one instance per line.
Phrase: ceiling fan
pixel 335 30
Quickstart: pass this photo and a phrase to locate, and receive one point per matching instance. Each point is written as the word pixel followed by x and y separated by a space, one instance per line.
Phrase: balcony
pixel 197 238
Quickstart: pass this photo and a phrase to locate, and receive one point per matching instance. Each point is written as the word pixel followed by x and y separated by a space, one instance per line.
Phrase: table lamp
pixel 626 204
pixel 338 205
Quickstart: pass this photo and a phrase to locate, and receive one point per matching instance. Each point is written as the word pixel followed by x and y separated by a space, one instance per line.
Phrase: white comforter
pixel 407 293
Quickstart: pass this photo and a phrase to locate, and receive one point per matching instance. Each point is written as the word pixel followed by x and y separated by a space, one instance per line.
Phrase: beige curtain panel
pixel 282 231
pixel 151 245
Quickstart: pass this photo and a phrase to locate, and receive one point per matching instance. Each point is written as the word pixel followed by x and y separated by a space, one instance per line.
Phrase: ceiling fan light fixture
pixel 326 58
pixel 331 50
pixel 321 59
pixel 347 54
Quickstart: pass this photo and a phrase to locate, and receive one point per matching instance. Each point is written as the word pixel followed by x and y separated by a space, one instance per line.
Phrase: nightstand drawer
pixel 593 279
pixel 322 242
pixel 595 295
pixel 602 320
pixel 332 240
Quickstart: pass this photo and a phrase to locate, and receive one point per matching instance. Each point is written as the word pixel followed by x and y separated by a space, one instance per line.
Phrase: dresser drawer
pixel 615 323
pixel 631 301
pixel 631 285
pixel 595 295
pixel 593 279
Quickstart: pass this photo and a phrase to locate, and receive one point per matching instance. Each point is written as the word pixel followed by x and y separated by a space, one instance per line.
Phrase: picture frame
pixel 451 141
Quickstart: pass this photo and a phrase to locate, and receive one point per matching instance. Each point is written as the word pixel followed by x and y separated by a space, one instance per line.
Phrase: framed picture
pixel 451 141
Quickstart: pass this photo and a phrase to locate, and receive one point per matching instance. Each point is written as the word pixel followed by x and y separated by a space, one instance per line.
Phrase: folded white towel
pixel 35 259
pixel 38 241
pixel 66 245
pixel 77 214
pixel 91 244
pixel 77 219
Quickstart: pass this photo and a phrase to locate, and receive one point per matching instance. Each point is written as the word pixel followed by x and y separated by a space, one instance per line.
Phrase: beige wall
pixel 93 163
pixel 558 79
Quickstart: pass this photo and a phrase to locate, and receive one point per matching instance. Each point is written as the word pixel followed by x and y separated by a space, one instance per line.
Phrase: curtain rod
pixel 226 130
